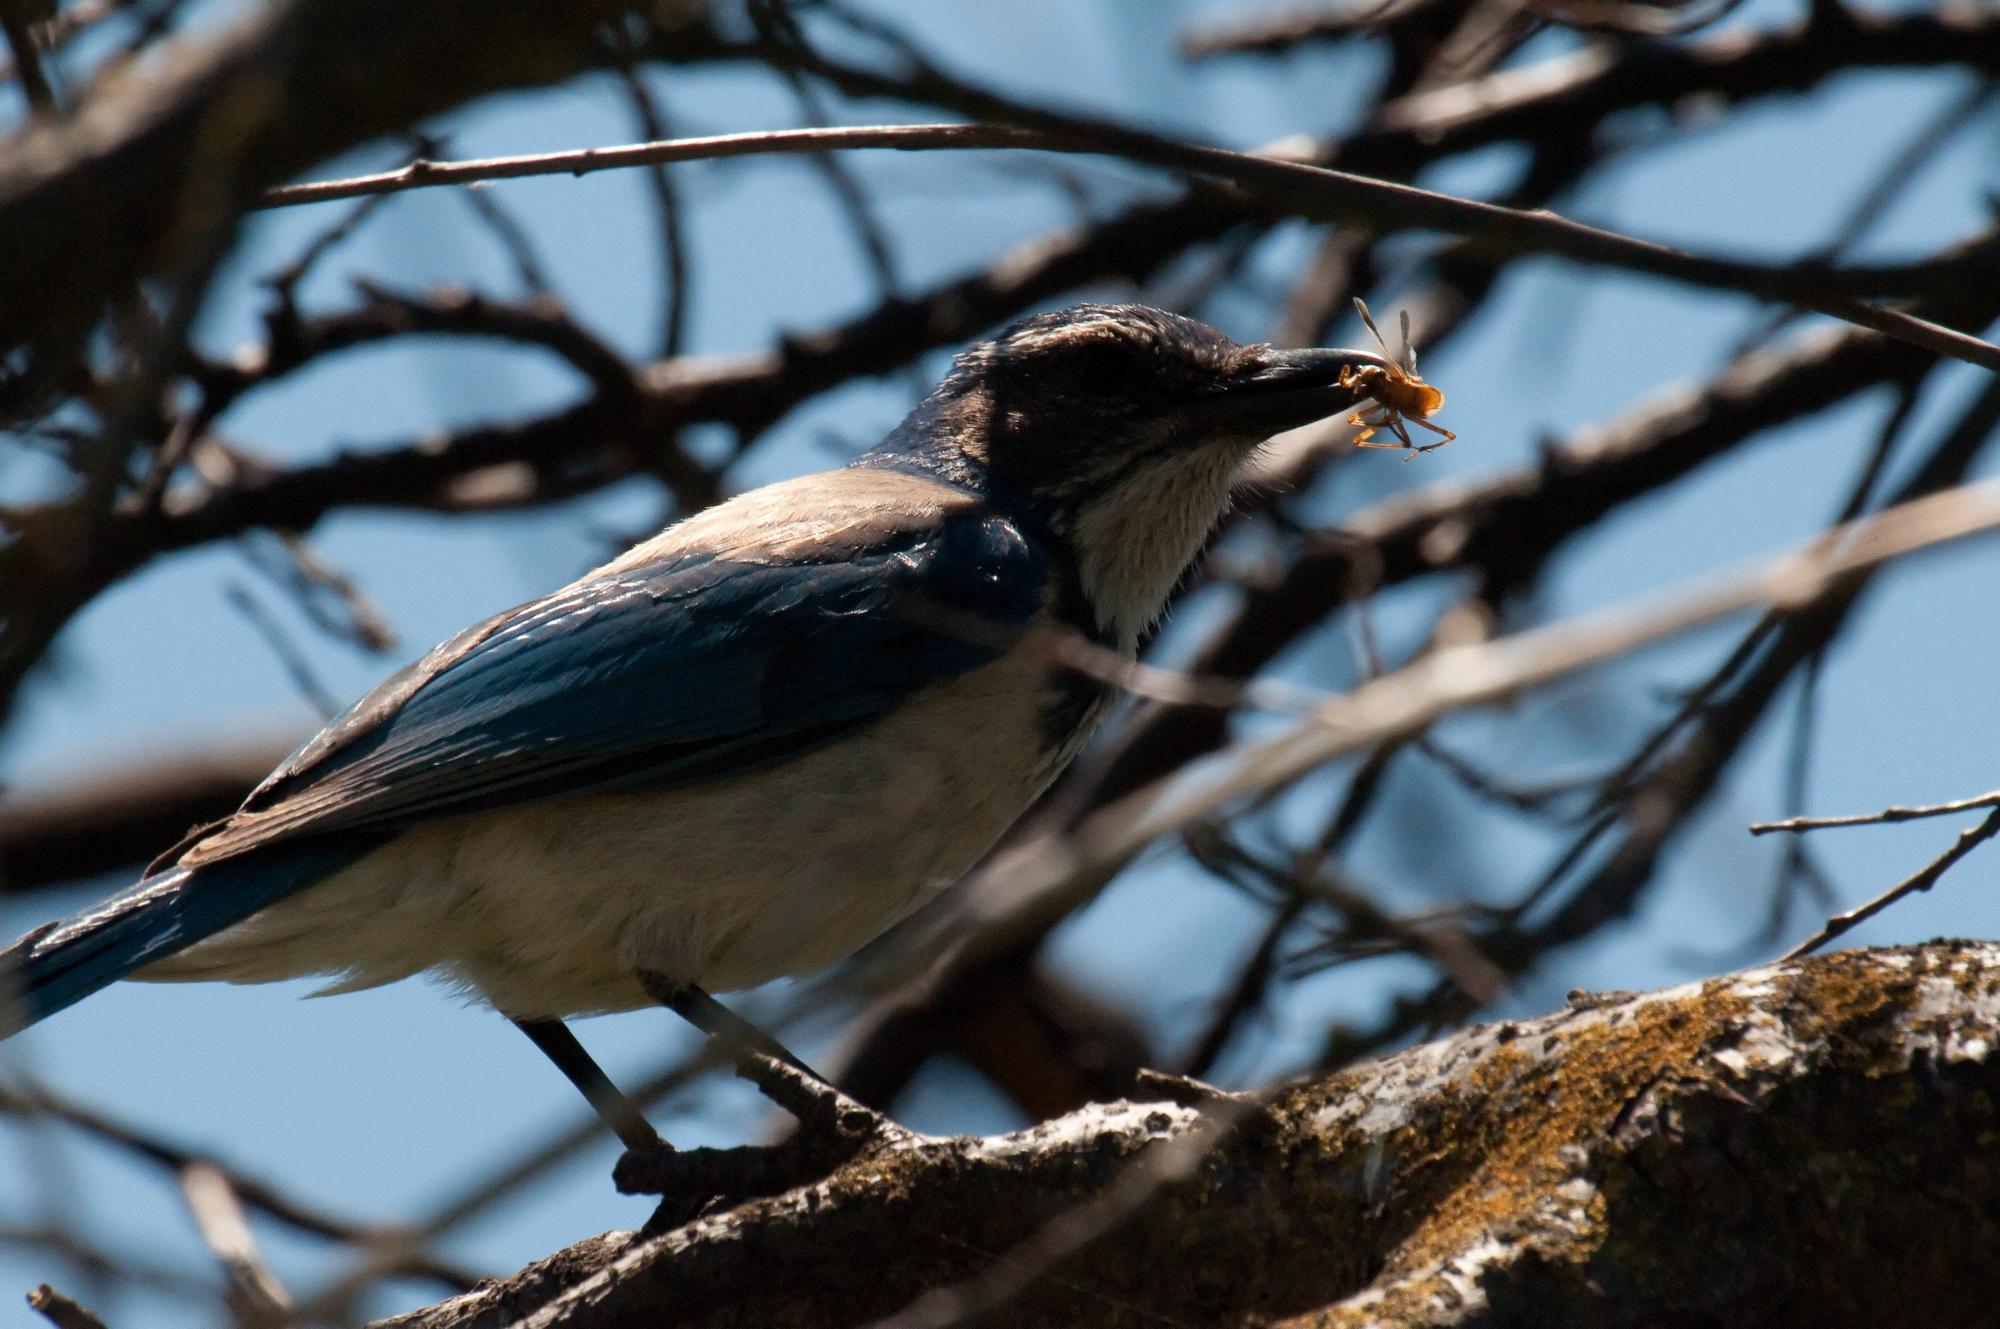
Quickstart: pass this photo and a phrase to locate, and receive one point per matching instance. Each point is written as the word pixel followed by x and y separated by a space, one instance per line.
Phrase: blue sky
pixel 382 1104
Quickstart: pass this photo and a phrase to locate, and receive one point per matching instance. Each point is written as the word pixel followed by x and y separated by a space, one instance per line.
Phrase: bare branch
pixel 159 162
pixel 27 53
pixel 247 1190
pixel 1458 1184
pixel 1315 192
pixel 304 678
pixel 667 206
pixel 1884 817
pixel 325 594
pixel 109 819
pixel 1279 34
pixel 218 1213
pixel 60 1311
pixel 1047 876
pixel 1323 194
pixel 1508 526
pixel 715 147
pixel 1921 880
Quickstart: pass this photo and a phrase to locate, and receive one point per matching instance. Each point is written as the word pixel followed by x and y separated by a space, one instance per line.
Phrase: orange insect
pixel 1399 395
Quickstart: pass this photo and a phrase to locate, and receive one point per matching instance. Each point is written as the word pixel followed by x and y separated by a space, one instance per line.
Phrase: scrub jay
pixel 749 744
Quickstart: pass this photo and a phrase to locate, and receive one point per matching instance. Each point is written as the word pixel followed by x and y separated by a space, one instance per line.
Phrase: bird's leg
pixel 763 1060
pixel 832 1127
pixel 736 1034
pixel 559 1045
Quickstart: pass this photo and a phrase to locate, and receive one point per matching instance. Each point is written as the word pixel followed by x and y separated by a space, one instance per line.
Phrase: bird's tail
pixel 58 965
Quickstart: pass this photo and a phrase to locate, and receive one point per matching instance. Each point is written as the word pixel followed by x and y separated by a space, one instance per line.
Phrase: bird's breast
pixel 780 871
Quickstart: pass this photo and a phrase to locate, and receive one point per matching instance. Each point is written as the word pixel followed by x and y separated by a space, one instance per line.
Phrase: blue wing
pixel 649 677
pixel 705 662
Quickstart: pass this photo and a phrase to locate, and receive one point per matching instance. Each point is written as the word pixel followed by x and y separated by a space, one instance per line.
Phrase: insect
pixel 1399 395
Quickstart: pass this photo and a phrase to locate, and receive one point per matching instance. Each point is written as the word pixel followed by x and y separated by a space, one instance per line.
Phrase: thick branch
pixel 1816 1123
pixel 163 163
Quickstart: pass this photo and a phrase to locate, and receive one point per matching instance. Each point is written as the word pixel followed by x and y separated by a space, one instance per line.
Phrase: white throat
pixel 1135 543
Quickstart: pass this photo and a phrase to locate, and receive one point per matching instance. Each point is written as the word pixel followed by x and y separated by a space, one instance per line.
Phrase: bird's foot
pixel 691 1182
pixel 833 1130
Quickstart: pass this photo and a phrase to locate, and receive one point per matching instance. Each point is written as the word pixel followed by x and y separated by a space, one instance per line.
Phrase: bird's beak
pixel 1286 390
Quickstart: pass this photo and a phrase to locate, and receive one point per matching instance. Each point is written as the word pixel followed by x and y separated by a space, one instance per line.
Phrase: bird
pixel 750 744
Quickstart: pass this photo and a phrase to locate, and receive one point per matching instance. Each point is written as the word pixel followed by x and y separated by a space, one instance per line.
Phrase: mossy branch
pixel 1795 1144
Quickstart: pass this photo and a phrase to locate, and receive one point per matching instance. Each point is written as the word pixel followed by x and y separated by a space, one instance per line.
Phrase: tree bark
pixel 89 205
pixel 1808 1143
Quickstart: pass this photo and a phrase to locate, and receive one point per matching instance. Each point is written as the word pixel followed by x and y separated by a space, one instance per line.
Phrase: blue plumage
pixel 654 676
pixel 753 742
pixel 55 968
pixel 694 668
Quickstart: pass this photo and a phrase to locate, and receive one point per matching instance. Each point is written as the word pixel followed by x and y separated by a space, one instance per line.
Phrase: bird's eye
pixel 1104 367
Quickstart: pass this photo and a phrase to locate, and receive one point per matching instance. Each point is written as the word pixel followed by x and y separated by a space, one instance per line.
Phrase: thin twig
pixel 1323 194
pixel 259 1195
pixel 1682 783
pixel 514 240
pixel 1172 687
pixel 1618 788
pixel 305 679
pixel 776 23
pixel 1889 185
pixel 396 1249
pixel 586 161
pixel 324 594
pixel 667 205
pixel 28 66
pixel 1044 873
pixel 284 282
pixel 218 1214
pixel 1884 817
pixel 1640 19
pixel 1246 994
pixel 1921 880
pixel 74 19
pixel 1316 192
pixel 1281 33
pixel 60 1311
pixel 53 1241
pixel 1466 675
pixel 1797 866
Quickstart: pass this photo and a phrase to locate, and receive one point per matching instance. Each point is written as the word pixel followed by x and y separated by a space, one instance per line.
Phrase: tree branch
pixel 1526 1172
pixel 106 821
pixel 161 163
pixel 1314 192
pixel 1048 876
pixel 1919 881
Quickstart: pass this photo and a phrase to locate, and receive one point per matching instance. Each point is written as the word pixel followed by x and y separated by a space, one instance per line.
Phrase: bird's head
pixel 1119 427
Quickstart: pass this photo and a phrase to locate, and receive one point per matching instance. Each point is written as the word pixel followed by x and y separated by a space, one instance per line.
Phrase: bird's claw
pixel 833 1130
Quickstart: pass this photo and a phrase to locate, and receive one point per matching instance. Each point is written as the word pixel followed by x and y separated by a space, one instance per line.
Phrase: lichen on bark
pixel 1806 1143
